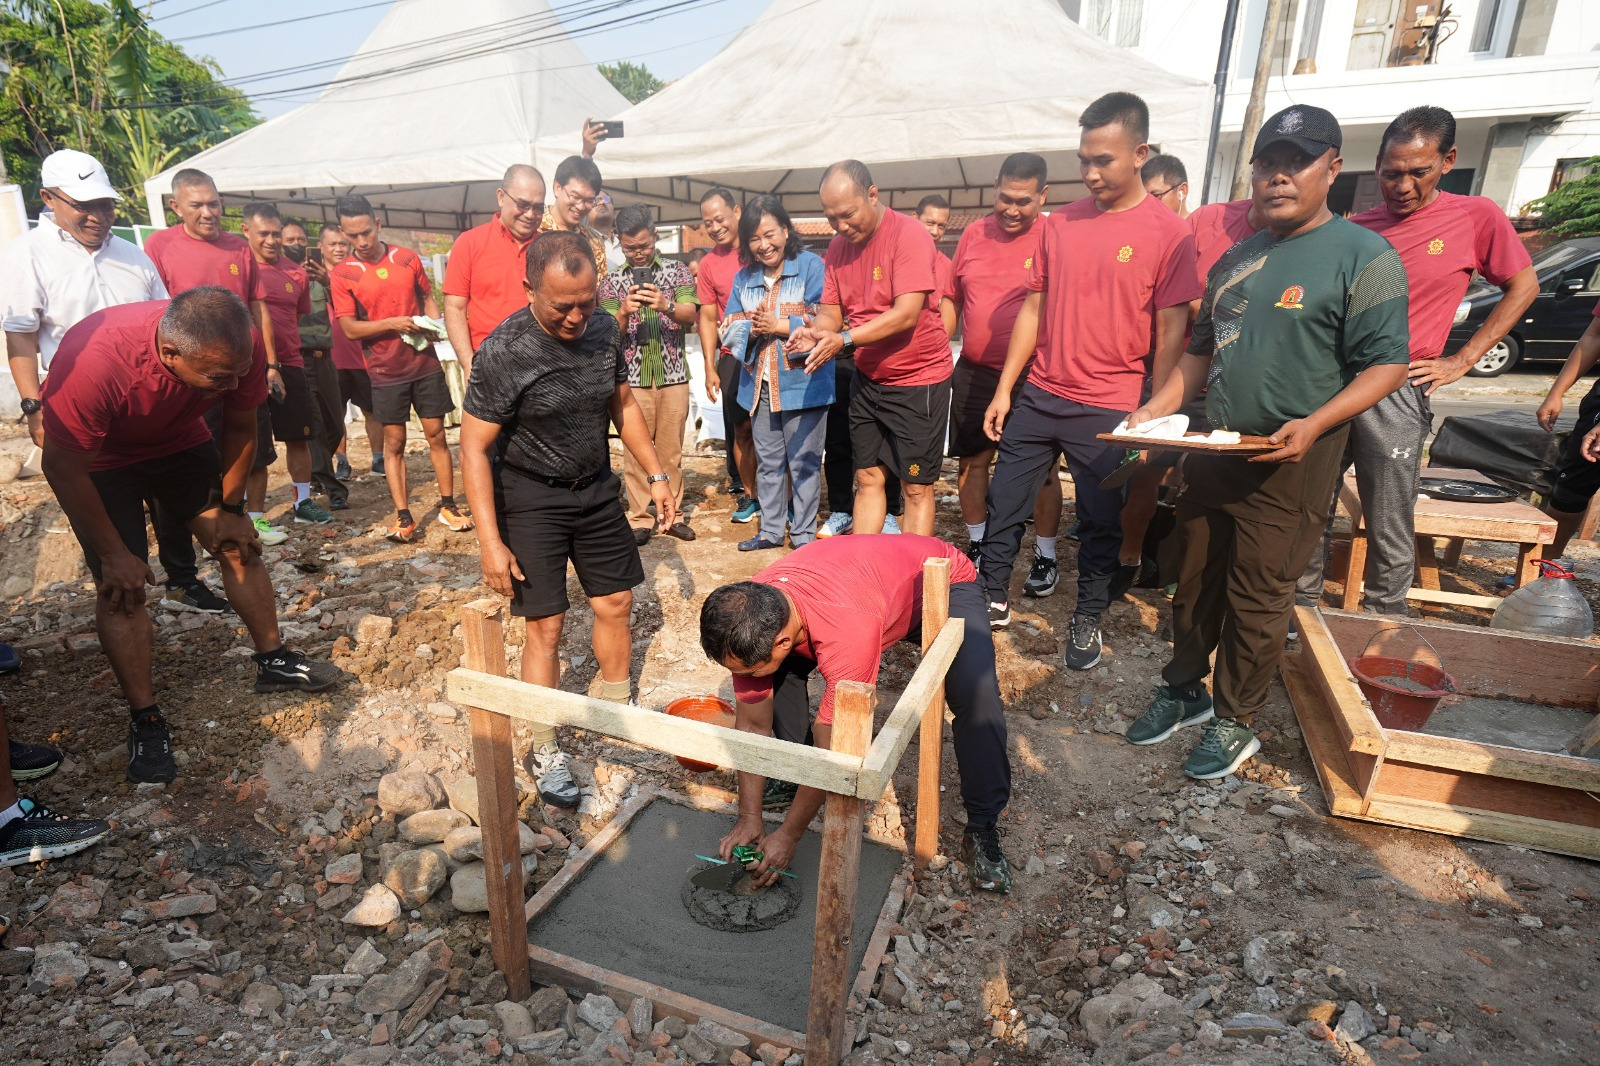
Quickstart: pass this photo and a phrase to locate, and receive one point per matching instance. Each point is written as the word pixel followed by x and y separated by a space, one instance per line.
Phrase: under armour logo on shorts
pixel 1400 453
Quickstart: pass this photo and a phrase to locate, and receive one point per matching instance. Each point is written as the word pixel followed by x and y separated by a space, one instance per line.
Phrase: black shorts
pixel 972 390
pixel 901 427
pixel 733 416
pixel 544 526
pixel 1576 479
pixel 291 418
pixel 429 397
pixel 356 387
pixel 182 484
pixel 266 454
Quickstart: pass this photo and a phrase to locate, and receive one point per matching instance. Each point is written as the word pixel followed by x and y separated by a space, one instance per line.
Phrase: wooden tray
pixel 1195 442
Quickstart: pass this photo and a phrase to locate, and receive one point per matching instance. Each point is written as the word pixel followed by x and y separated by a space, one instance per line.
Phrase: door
pixel 1563 309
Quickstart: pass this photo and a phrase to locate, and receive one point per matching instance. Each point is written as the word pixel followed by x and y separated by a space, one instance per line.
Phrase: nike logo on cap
pixel 86 177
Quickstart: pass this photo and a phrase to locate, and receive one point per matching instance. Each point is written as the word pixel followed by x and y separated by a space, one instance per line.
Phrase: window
pixel 1117 21
pixel 1572 169
pixel 1483 29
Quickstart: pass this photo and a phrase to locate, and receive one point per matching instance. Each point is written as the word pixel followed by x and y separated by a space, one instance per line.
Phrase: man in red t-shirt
pixel 933 211
pixel 122 423
pixel 719 216
pixel 283 287
pixel 880 294
pixel 483 279
pixel 377 295
pixel 834 607
pixel 1444 240
pixel 349 361
pixel 988 282
pixel 1114 272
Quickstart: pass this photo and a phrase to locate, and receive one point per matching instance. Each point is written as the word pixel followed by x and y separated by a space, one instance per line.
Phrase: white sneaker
pixel 269 533
pixel 890 525
pixel 837 525
pixel 551 768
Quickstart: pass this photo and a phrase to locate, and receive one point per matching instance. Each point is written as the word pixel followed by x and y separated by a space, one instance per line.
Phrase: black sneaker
pixel 1042 577
pixel 975 551
pixel 150 750
pixel 778 793
pixel 285 670
pixel 29 762
pixel 999 615
pixel 986 863
pixel 195 596
pixel 39 835
pixel 1083 643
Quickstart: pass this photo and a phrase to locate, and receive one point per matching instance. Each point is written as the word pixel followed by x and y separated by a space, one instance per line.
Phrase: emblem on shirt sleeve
pixel 1291 298
pixel 1125 253
pixel 288 286
pixel 1027 264
pixel 877 273
pixel 1435 246
pixel 383 273
pixel 233 268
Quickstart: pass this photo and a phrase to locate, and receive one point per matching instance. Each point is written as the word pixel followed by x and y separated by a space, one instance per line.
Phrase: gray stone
pixel 463 793
pixel 1355 1024
pixel 366 961
pixel 1147 908
pixel 1137 997
pixel 1257 965
pixel 414 876
pixel 1254 1027
pixel 260 999
pixel 128 1053
pixel 57 967
pixel 722 1036
pixel 378 907
pixel 1210 1035
pixel 641 1016
pixel 345 870
pixel 368 1056
pixel 599 1013
pixel 696 1048
pixel 548 1006
pixel 469 889
pixel 464 844
pixel 405 792
pixel 546 1043
pixel 430 827
pixel 516 1022
pixel 397 990
pixel 73 902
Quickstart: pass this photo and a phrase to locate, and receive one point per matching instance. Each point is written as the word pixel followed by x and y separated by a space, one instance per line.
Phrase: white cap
pixel 78 175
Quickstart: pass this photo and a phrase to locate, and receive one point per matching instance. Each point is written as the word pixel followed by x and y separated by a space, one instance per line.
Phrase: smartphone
pixel 642 276
pixel 314 255
pixel 613 130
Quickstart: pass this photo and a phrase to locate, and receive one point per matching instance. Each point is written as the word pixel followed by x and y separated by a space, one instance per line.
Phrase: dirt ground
pixel 1152 916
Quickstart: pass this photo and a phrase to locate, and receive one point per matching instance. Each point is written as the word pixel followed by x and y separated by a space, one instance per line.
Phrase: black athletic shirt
pixel 551 398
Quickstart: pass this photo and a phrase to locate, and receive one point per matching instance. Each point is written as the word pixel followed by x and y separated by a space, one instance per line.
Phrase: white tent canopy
pixel 423 120
pixel 931 94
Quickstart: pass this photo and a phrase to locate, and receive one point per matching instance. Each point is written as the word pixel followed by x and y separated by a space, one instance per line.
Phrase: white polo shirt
pixel 49 282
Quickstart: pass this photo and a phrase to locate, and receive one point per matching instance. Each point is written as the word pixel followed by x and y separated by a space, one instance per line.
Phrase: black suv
pixel 1569 288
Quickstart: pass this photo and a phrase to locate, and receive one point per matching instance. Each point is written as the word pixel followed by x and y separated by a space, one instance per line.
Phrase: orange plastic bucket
pixel 1403 692
pixel 713 709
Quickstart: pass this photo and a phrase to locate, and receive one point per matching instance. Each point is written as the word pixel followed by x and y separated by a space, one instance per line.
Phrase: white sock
pixel 254 515
pixel 1045 546
pixel 302 492
pixel 975 532
pixel 11 813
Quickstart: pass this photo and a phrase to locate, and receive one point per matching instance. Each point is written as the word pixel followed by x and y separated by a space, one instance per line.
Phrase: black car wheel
pixel 1497 360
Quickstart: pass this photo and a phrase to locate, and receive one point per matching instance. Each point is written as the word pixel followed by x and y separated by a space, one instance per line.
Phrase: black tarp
pixel 1508 447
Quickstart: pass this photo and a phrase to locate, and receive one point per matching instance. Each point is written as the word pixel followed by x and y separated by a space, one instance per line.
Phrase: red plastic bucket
pixel 713 709
pixel 1406 705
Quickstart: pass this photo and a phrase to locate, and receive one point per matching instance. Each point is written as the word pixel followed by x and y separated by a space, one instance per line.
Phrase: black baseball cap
pixel 1312 129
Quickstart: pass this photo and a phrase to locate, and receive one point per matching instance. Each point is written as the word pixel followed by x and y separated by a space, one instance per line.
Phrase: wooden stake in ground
pixel 497 802
pixel 837 884
pixel 935 610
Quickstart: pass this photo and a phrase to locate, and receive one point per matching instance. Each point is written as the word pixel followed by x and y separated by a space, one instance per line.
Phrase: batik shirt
pixel 651 342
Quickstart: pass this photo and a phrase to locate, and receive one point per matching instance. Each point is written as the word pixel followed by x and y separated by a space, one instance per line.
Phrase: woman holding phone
pixel 772 298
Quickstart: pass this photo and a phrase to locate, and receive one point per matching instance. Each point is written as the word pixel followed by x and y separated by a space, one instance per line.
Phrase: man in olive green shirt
pixel 1302 327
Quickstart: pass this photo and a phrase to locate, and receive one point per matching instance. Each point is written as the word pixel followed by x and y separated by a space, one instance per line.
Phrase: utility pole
pixel 1230 23
pixel 1258 94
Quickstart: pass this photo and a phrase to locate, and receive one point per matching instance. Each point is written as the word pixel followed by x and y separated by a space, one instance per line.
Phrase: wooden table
pixel 1513 522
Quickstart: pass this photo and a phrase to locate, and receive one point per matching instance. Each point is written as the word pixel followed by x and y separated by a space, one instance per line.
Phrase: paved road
pixel 1521 389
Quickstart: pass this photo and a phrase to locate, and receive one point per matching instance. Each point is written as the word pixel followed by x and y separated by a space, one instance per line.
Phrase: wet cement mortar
pixel 741 908
pixel 1509 723
pixel 765 973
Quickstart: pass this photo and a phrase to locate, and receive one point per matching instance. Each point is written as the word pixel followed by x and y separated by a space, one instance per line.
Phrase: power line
pixel 279 22
pixel 197 7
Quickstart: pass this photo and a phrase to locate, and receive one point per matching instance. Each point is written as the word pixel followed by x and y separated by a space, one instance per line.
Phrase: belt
pixel 570 484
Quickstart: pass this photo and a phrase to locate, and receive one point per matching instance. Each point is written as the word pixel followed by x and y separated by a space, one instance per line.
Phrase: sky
pixel 671 45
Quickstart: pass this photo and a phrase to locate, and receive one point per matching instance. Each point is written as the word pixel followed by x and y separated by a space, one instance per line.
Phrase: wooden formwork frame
pixel 854 773
pixel 1547 801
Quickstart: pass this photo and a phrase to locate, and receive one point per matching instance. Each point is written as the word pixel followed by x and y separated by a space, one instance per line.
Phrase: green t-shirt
pixel 1288 323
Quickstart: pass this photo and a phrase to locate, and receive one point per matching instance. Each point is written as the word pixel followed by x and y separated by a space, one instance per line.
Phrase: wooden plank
pixel 1323 741
pixel 750 752
pixel 1456 788
pixel 1352 716
pixel 935 617
pixel 553 968
pixel 577 864
pixel 1452 599
pixel 1491 663
pixel 1493 760
pixel 1584 741
pixel 837 885
pixel 494 767
pixel 926 685
pixel 1427 564
pixel 1452 820
pixel 1528 556
pixel 879 944
pixel 1355 573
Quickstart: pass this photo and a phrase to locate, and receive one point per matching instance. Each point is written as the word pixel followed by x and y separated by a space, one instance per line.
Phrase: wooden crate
pixel 1550 802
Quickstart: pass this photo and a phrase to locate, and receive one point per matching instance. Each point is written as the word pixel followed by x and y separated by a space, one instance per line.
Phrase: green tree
pixel 94 76
pixel 1573 210
pixel 632 80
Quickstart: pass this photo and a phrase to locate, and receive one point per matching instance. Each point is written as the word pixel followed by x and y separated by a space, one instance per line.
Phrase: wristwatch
pixel 844 337
pixel 274 366
pixel 234 508
pixel 653 478
pixel 31 406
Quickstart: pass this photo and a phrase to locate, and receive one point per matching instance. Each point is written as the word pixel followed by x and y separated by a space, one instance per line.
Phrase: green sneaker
pixel 986 863
pixel 778 793
pixel 1167 714
pixel 269 533
pixel 1224 748
pixel 310 512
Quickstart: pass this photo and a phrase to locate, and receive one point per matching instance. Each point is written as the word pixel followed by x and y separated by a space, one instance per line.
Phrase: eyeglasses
pixel 1163 192
pixel 524 207
pixel 87 207
pixel 581 201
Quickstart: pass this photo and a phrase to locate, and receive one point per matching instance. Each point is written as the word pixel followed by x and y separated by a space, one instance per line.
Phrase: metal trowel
pixel 724 875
